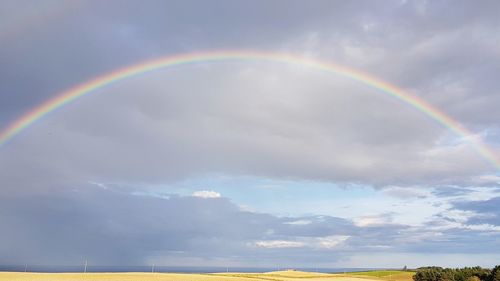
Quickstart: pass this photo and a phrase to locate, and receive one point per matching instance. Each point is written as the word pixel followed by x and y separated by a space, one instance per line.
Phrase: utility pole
pixel 85 268
pixel 25 267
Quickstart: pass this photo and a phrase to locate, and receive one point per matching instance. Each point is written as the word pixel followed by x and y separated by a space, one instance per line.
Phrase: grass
pixel 288 275
pixel 390 275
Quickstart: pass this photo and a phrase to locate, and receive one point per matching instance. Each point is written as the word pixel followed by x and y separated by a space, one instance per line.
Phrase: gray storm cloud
pixel 264 120
pixel 255 119
pixel 111 227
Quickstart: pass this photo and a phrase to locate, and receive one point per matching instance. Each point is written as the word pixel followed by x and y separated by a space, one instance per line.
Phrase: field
pixel 390 275
pixel 288 275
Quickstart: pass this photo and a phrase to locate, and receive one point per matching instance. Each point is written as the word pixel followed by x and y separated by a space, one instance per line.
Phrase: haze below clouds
pixel 250 163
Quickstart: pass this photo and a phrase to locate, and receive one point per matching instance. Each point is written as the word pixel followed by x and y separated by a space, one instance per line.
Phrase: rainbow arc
pixel 381 86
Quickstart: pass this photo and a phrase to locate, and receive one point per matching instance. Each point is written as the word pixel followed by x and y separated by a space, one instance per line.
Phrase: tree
pixel 495 273
pixel 477 273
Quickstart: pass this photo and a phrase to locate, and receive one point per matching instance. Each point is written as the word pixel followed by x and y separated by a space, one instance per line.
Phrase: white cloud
pixel 206 194
pixel 405 192
pixel 101 185
pixel 483 227
pixel 331 242
pixel 277 244
pixel 298 222
pixel 372 220
pixel 486 179
pixel 327 242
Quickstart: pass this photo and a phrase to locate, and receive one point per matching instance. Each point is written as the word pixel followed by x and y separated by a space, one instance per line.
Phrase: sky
pixel 250 163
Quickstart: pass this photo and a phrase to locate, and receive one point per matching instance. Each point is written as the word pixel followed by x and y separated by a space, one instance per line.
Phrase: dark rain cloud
pixel 112 227
pixel 165 128
pixel 485 211
pixel 116 228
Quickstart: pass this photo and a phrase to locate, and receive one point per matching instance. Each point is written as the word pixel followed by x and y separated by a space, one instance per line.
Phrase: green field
pixel 396 275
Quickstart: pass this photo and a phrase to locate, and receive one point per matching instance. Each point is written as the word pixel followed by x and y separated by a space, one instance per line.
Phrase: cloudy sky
pixel 250 163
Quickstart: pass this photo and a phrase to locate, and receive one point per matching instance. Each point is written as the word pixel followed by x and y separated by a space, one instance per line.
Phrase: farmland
pixel 288 275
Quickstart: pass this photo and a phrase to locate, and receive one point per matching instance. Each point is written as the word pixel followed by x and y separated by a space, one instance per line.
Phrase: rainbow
pixel 72 94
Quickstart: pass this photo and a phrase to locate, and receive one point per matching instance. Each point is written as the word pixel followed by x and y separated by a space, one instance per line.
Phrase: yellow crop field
pixel 289 275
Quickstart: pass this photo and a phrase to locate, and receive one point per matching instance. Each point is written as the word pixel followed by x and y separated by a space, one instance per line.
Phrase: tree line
pixel 434 273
